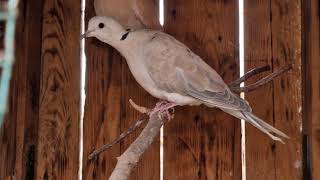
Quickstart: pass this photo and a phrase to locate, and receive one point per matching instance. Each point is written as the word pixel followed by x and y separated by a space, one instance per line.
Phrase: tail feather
pixel 264 127
pixel 258 123
pixel 268 126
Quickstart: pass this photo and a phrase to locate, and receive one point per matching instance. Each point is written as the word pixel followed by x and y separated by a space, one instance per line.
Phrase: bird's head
pixel 104 28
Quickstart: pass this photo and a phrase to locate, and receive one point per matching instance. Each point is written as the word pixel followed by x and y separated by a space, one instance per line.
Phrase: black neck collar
pixel 125 35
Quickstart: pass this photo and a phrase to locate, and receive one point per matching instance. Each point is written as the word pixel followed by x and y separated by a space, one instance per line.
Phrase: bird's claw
pixel 164 108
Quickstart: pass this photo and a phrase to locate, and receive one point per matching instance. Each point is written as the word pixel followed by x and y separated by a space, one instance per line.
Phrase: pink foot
pixel 164 107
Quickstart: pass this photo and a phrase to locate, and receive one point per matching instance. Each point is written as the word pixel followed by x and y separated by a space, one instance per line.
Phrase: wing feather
pixel 175 68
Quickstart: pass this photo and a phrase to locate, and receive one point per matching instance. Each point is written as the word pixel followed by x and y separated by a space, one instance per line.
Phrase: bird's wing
pixel 176 69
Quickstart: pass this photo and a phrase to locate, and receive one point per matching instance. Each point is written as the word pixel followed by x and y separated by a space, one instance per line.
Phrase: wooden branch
pixel 141 109
pixel 262 81
pixel 249 74
pixel 123 135
pixel 129 159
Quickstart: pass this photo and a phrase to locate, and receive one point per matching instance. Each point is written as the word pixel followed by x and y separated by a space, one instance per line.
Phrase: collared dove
pixel 170 71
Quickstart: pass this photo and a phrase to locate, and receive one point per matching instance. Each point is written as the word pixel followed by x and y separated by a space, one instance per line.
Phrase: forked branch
pixel 236 88
pixel 249 74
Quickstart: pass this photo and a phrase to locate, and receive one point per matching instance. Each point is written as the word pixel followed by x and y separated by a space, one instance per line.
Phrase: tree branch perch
pixel 128 160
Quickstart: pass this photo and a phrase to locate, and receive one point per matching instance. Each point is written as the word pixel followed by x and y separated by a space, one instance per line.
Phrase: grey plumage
pixel 169 70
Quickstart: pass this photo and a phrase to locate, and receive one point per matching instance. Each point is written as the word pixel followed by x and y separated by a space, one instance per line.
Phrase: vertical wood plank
pixel 109 87
pixel 311 56
pixel 260 149
pixel 149 165
pixel 273 37
pixel 102 107
pixel 59 104
pixel 203 143
pixel 286 48
pixel 18 139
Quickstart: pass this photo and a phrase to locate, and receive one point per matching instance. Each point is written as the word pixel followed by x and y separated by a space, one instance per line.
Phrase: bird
pixel 133 12
pixel 170 71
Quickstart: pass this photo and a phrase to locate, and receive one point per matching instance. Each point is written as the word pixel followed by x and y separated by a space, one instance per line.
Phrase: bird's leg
pixel 164 107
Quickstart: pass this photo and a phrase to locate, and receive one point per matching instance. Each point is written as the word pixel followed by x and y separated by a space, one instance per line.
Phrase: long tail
pixel 258 123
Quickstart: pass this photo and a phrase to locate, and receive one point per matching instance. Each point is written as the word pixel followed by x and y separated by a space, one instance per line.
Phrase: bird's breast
pixel 141 75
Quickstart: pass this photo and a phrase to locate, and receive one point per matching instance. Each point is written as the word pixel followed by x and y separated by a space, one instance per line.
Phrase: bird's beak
pixel 86 34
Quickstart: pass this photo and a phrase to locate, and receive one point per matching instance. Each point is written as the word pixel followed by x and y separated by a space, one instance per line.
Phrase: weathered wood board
pixel 109 86
pixel 40 138
pixel 273 37
pixel 311 56
pixel 19 134
pixel 204 143
pixel 59 102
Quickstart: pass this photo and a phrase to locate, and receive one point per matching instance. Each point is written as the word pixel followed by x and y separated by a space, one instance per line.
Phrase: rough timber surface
pixel 273 37
pixel 109 86
pixel 203 143
pixel 59 101
pixel 19 134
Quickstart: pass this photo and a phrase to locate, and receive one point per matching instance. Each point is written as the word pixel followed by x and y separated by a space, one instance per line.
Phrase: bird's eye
pixel 101 25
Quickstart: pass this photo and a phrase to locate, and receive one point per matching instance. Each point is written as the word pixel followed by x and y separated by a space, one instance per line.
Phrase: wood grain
pixel 102 106
pixel 260 149
pixel 286 48
pixel 273 32
pixel 59 102
pixel 311 56
pixel 109 87
pixel 18 138
pixel 149 165
pixel 203 143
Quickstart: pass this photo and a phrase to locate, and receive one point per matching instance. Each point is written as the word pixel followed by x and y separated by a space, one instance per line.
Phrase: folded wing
pixel 175 68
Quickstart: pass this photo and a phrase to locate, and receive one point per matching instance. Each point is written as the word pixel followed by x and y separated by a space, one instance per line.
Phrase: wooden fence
pixel 41 135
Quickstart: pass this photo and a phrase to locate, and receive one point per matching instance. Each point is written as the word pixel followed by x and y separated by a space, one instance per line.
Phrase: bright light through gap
pixel 161 20
pixel 82 87
pixel 241 59
pixel 161 12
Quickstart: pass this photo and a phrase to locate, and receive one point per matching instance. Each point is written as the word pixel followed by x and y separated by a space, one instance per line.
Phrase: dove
pixel 170 71
pixel 133 12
